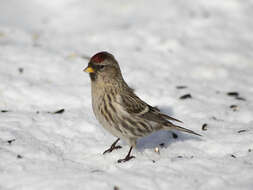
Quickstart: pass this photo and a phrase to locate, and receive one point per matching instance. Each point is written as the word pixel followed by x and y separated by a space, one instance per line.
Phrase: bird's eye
pixel 101 67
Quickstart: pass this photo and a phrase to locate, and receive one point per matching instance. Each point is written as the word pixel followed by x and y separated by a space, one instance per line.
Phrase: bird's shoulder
pixel 132 104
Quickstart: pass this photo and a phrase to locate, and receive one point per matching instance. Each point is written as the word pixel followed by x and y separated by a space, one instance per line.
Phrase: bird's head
pixel 103 67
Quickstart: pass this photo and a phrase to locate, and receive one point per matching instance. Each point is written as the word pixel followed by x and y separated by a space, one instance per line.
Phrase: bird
pixel 119 110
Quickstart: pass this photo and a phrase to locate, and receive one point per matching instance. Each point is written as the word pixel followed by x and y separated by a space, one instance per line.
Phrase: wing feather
pixel 135 106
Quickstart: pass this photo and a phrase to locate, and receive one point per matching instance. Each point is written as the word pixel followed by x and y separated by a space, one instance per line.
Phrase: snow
pixel 203 45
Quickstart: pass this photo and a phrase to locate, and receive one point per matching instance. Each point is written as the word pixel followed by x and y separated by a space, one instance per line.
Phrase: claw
pixel 126 159
pixel 113 146
pixel 111 149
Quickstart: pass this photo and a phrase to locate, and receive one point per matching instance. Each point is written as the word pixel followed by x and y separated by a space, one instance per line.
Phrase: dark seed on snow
pixel 185 96
pixel 4 111
pixel 59 111
pixel 233 156
pixel 241 131
pixel 233 94
pixel 181 87
pixel 10 141
pixel 234 107
pixel 96 171
pixel 240 98
pixel 21 70
pixel 236 95
pixel 174 135
pixel 216 119
pixel 161 144
pixel 204 127
pixel 19 156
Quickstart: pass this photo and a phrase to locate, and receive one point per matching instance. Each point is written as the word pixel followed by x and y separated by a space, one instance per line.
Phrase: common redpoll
pixel 119 109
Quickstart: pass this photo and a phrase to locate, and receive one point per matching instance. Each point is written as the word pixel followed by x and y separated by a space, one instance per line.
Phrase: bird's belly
pixel 110 127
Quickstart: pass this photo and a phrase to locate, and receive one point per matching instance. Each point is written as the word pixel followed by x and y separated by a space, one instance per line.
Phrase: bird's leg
pixel 128 157
pixel 113 146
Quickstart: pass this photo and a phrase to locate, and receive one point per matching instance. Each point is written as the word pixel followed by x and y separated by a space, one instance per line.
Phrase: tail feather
pixel 170 118
pixel 157 112
pixel 176 127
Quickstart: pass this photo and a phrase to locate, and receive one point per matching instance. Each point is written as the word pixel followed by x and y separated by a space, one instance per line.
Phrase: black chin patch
pixel 93 76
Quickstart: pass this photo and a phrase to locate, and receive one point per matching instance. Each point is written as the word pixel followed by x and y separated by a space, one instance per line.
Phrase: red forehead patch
pixel 99 57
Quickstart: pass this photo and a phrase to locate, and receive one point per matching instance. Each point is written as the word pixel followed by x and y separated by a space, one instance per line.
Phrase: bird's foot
pixel 111 149
pixel 127 158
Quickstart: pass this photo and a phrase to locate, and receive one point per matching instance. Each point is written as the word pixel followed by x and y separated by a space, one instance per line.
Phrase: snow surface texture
pixel 203 45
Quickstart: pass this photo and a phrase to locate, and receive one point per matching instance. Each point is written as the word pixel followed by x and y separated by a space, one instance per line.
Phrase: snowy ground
pixel 203 45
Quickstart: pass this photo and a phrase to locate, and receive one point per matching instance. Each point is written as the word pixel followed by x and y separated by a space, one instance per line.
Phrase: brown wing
pixel 134 105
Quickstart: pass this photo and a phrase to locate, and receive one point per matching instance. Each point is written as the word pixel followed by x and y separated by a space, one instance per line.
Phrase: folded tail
pixel 170 126
pixel 169 118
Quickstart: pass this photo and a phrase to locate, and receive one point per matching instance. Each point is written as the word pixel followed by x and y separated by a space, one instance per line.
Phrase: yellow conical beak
pixel 89 70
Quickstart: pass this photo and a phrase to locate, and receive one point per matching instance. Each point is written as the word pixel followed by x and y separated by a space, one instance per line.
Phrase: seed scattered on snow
pixel 20 70
pixel 234 107
pixel 181 87
pixel 241 131
pixel 161 144
pixel 235 94
pixel 19 156
pixel 174 135
pixel 10 141
pixel 216 119
pixel 240 98
pixel 59 111
pixel 204 127
pixel 4 111
pixel 186 96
